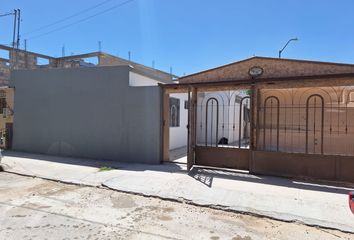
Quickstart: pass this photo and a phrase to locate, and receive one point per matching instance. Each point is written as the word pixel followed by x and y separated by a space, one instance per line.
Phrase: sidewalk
pixel 278 198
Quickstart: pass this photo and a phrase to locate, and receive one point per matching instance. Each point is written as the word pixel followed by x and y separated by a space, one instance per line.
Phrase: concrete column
pixel 192 113
pixel 165 126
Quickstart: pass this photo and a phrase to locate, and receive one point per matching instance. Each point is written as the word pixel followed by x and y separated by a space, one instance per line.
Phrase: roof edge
pixel 262 80
pixel 267 58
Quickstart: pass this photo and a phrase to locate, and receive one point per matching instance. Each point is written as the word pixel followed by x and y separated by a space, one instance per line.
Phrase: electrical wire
pixel 6 14
pixel 83 19
pixel 68 17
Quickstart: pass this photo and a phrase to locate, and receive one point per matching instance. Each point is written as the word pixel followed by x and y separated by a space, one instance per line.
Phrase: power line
pixel 68 17
pixel 6 14
pixel 83 19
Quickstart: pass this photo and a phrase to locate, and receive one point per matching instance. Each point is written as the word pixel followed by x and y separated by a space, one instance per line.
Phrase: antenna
pixel 99 46
pixel 63 51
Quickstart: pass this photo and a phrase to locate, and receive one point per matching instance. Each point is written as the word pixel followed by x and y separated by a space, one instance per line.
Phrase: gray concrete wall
pixel 86 112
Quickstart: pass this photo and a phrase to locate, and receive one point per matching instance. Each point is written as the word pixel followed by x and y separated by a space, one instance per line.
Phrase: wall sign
pixel 255 71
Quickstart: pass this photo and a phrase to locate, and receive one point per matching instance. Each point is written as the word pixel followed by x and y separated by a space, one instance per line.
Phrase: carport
pixel 271 116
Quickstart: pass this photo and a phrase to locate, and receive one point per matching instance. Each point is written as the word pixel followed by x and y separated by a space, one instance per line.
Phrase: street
pixel 33 208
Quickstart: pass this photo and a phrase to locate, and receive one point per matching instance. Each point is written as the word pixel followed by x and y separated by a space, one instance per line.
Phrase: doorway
pixel 178 127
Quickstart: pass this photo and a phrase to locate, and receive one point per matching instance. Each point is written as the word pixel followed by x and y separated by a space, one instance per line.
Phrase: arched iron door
pixel 271 124
pixel 314 124
pixel 212 121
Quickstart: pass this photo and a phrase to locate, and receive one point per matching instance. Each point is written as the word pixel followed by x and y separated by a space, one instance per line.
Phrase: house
pixel 271 116
pixel 281 117
pixel 139 76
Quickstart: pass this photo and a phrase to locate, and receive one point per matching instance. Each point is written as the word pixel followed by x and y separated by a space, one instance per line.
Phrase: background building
pixel 16 59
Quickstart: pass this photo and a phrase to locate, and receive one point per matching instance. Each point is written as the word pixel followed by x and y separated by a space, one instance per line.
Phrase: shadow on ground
pixel 98 163
pixel 205 175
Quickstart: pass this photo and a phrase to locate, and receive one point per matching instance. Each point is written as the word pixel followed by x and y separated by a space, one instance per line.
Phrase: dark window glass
pixel 186 104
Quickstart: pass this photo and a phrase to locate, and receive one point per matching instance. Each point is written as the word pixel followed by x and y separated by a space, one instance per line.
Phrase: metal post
pixel 280 51
pixel 18 27
pixel 14 32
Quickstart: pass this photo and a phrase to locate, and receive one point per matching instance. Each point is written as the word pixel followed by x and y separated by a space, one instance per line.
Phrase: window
pixel 42 61
pixel 4 54
pixel 186 104
pixel 2 104
pixel 174 112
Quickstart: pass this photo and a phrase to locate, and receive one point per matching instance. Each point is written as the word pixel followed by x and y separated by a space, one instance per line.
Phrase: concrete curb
pixel 253 213
pixel 226 209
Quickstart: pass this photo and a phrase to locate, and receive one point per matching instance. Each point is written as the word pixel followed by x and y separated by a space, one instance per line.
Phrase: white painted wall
pixel 178 135
pixel 229 114
pixel 137 80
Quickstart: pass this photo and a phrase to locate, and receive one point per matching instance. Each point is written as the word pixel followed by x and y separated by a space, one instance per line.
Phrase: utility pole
pixel 13 57
pixel 26 53
pixel 14 33
pixel 18 27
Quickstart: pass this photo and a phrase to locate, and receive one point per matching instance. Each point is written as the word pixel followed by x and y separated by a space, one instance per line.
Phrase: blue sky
pixel 190 35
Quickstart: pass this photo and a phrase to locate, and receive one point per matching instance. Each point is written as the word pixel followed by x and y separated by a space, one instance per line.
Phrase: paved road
pixel 279 198
pixel 32 208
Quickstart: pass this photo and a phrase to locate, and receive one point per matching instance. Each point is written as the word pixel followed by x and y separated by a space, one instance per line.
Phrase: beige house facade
pixel 272 116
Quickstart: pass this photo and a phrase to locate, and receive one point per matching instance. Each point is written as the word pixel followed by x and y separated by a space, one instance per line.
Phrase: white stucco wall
pixel 137 80
pixel 229 117
pixel 178 135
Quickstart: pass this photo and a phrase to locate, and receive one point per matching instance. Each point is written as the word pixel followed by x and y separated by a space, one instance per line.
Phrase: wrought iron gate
pixel 223 129
pixel 314 124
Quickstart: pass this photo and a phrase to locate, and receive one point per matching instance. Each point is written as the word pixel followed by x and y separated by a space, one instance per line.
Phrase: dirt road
pixel 32 208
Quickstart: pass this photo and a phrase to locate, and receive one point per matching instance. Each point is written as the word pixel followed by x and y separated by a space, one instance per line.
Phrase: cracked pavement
pixel 33 208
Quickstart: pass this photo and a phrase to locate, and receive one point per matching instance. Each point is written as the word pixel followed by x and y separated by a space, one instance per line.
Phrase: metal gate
pixel 314 124
pixel 223 129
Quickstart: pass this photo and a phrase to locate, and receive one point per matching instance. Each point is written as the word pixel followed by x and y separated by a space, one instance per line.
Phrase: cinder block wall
pixel 86 112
